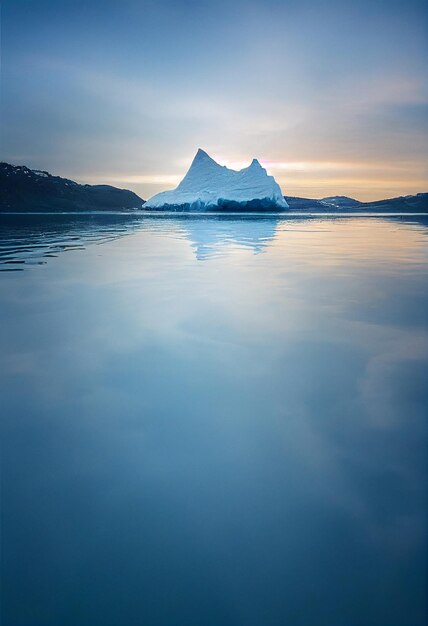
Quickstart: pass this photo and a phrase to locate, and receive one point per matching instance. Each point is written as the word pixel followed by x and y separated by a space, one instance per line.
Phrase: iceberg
pixel 208 186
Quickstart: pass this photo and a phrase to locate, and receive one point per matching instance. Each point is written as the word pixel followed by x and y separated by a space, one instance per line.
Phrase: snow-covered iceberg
pixel 213 187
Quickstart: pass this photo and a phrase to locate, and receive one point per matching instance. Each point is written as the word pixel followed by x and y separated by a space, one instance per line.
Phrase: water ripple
pixel 32 239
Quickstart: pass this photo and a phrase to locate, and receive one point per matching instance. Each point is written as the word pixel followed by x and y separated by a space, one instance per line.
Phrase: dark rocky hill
pixel 417 203
pixel 23 189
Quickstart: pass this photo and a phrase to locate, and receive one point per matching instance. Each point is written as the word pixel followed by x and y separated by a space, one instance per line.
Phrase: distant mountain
pixel 311 204
pixel 324 204
pixel 409 204
pixel 23 189
pixel 208 186
pixel 417 203
pixel 340 202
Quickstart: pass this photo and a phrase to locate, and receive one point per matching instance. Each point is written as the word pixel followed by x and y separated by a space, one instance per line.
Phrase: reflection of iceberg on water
pixel 213 236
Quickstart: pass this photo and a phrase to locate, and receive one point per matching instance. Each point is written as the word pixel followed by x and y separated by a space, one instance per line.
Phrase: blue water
pixel 213 421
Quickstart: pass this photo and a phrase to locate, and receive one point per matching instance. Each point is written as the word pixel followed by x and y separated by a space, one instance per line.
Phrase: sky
pixel 331 96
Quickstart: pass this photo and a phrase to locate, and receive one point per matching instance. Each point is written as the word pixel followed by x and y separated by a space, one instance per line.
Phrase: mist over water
pixel 214 420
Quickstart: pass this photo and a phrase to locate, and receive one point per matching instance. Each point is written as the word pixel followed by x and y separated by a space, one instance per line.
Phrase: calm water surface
pixel 213 421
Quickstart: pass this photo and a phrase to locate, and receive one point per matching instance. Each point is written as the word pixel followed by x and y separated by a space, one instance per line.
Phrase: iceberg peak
pixel 202 159
pixel 210 186
pixel 201 154
pixel 255 164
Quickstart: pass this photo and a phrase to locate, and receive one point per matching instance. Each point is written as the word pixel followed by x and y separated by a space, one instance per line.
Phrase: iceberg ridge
pixel 208 186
